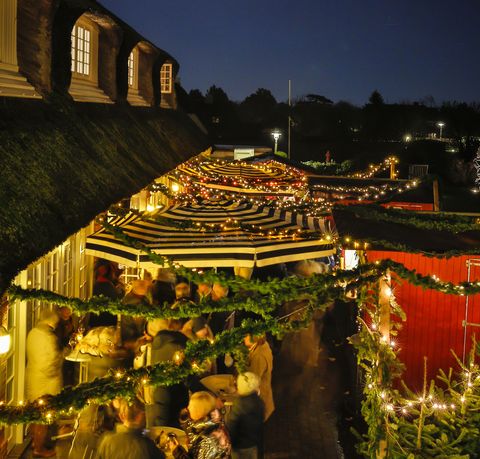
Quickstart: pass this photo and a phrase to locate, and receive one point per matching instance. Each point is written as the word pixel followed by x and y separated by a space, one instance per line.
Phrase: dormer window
pixel 166 85
pixel 84 85
pixel 131 70
pixel 81 50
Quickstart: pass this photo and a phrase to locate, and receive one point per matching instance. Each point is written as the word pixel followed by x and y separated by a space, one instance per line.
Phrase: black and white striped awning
pixel 241 176
pixel 182 234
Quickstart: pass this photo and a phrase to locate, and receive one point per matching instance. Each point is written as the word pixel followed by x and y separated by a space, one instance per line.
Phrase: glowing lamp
pixel 175 187
pixel 5 340
pixel 276 135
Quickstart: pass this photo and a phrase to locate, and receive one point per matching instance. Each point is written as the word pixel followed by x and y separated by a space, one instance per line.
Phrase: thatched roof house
pixel 62 160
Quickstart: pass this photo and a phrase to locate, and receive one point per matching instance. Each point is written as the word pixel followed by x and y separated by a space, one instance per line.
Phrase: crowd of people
pixel 187 405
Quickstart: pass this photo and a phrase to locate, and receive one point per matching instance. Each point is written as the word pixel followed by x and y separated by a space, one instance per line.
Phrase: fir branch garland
pixel 438 221
pixel 127 383
pixel 261 298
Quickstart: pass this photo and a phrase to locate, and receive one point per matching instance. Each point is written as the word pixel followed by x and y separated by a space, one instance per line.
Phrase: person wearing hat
pixel 245 420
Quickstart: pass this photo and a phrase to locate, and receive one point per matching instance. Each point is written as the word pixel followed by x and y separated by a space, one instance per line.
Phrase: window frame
pixel 131 70
pixel 166 78
pixel 81 51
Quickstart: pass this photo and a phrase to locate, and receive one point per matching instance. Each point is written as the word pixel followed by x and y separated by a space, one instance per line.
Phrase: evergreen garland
pixel 438 221
pixel 127 383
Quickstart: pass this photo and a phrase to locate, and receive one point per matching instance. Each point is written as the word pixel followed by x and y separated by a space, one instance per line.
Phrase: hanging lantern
pixel 5 340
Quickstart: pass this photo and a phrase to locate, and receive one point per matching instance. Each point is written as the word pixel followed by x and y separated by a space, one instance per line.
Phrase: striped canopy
pixel 193 236
pixel 241 176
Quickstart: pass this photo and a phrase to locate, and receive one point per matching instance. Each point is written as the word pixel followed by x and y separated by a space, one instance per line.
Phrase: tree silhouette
pixel 258 107
pixel 376 98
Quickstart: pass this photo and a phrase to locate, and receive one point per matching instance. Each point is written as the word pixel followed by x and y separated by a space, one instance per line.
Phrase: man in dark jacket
pixel 129 443
pixel 245 421
pixel 167 401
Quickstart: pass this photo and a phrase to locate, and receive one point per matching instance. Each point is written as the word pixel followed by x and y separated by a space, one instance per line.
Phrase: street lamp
pixel 276 134
pixel 441 124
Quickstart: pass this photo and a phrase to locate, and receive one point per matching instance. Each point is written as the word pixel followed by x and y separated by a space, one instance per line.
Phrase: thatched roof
pixel 61 165
pixel 388 235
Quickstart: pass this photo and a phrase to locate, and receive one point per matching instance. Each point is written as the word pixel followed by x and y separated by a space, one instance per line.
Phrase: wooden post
pixel 436 196
pixel 384 302
pixel 384 328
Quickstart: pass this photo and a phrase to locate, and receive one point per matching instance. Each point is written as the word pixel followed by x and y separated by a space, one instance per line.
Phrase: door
pixel 471 322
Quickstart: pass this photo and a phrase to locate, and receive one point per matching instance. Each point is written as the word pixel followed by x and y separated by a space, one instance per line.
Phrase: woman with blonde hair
pixel 204 426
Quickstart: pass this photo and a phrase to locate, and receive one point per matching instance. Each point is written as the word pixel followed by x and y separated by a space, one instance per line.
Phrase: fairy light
pixel 195 366
pixel 178 357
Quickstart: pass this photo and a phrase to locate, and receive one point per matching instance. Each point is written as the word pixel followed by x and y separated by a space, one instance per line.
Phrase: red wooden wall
pixel 434 320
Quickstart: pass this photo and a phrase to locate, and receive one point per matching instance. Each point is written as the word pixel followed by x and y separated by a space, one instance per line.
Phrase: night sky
pixel 342 49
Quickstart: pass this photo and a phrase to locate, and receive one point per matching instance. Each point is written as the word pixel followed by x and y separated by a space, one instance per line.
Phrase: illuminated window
pixel 81 50
pixel 52 272
pixel 131 69
pixel 67 277
pixel 83 268
pixel 166 78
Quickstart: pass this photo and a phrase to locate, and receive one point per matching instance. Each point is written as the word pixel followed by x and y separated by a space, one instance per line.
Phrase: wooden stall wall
pixel 434 320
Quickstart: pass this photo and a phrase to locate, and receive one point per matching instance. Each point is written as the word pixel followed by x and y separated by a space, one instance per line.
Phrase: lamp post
pixel 276 135
pixel 441 124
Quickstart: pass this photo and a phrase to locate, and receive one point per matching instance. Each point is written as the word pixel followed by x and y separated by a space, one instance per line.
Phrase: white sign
pixel 242 153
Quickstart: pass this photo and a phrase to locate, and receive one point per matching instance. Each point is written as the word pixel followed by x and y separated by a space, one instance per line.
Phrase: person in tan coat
pixel 44 372
pixel 260 362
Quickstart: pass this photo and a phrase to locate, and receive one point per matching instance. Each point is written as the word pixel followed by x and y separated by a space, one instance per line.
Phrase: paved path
pixel 306 386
